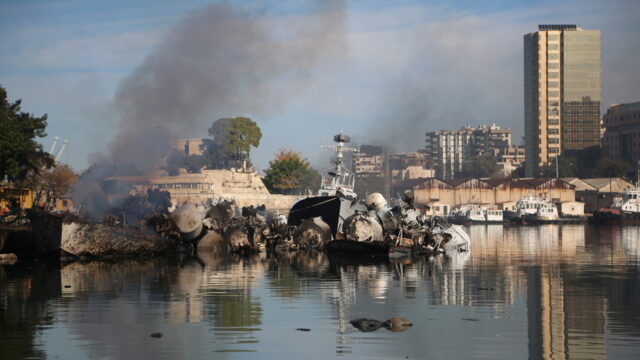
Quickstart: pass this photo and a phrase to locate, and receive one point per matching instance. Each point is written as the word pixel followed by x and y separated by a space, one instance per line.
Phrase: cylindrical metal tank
pixel 312 233
pixel 188 220
pixel 362 227
pixel 236 238
pixel 376 202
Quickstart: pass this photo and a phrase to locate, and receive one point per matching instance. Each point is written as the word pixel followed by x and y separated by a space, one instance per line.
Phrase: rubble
pixel 145 225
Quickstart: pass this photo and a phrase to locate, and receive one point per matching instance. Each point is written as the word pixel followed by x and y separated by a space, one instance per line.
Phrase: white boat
pixel 526 206
pixel 629 203
pixel 475 215
pixel 548 213
pixel 494 215
pixel 624 210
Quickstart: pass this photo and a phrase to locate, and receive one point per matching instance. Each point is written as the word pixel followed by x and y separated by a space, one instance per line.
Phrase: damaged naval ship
pixel 336 220
pixel 336 199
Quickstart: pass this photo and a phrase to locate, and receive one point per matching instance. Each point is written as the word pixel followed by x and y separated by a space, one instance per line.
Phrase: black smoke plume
pixel 219 61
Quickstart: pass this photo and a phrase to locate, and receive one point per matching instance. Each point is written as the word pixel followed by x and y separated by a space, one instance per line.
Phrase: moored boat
pixel 546 214
pixel 494 215
pixel 528 205
pixel 624 210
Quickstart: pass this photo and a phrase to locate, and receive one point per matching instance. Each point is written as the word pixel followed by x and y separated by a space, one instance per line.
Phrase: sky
pixel 384 72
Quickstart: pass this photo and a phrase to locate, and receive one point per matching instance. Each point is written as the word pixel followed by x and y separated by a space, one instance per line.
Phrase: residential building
pixel 411 172
pixel 561 92
pixel 369 161
pixel 509 158
pixel 488 139
pixel 621 140
pixel 447 150
pixel 399 161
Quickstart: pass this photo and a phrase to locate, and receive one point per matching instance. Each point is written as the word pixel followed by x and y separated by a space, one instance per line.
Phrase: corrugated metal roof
pixel 514 183
pixel 602 184
pixel 579 184
pixel 410 183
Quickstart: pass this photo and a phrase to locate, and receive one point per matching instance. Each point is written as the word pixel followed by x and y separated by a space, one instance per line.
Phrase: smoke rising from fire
pixel 219 61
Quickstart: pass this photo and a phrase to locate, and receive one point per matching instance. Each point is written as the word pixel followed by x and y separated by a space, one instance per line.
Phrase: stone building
pixel 245 188
pixel 190 146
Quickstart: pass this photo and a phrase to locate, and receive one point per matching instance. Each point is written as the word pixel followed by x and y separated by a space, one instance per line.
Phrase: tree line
pixel 584 163
pixel 23 162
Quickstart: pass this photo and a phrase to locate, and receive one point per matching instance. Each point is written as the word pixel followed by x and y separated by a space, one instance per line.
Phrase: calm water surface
pixel 546 292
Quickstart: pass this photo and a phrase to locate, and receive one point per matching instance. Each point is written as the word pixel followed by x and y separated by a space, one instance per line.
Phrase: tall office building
pixel 561 92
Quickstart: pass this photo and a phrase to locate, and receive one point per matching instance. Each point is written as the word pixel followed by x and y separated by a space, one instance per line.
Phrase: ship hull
pixel 358 248
pixel 332 209
pixel 614 217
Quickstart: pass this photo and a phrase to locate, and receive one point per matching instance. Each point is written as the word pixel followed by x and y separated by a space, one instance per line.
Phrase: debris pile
pixel 332 224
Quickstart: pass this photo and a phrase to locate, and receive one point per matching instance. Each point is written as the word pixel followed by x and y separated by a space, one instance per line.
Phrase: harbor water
pixel 529 292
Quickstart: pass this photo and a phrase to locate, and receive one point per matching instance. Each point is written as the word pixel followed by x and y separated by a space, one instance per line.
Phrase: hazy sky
pixel 386 71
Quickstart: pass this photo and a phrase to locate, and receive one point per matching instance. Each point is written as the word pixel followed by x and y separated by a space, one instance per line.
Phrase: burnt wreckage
pixel 336 220
pixel 333 220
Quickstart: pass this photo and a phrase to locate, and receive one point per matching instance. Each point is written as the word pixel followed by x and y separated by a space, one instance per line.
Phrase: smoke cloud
pixel 219 61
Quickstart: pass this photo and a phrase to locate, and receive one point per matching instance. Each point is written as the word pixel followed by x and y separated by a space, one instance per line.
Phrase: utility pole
pixel 557 172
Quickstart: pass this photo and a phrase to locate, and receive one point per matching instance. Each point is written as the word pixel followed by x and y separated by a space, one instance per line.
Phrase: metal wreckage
pixel 335 221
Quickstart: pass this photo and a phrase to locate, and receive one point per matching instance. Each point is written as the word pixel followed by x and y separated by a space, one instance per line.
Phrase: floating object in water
pixel 398 324
pixel 366 325
pixel 394 324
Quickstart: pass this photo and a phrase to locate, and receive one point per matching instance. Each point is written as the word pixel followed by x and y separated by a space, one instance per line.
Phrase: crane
pixel 53 144
pixel 64 144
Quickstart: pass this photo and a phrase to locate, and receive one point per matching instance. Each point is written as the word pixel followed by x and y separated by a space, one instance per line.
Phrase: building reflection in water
pixel 572 286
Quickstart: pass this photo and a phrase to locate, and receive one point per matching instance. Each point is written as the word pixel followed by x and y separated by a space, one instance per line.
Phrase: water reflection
pixel 551 291
pixel 24 291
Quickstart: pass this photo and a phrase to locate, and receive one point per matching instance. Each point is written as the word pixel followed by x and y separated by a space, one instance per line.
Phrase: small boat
pixel 475 215
pixel 624 210
pixel 526 206
pixel 546 214
pixel 494 216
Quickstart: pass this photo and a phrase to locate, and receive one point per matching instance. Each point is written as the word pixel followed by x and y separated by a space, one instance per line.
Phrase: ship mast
pixel 340 176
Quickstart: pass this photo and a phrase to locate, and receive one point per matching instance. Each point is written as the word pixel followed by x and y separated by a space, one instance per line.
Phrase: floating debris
pixel 394 324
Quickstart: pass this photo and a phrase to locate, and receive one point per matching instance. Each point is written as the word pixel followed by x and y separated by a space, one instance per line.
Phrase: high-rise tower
pixel 561 92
